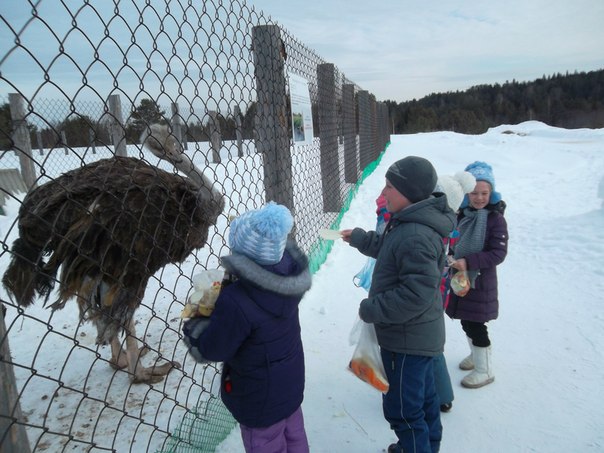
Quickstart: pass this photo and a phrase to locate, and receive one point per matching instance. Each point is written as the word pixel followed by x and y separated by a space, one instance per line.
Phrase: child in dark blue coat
pixel 255 330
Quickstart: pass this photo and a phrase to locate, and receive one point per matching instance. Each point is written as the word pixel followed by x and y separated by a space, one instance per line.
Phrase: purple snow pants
pixel 286 436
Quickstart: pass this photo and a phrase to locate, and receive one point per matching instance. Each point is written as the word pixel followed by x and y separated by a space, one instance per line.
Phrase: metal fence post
pixel 351 165
pixel 272 118
pixel 328 127
pixel 21 139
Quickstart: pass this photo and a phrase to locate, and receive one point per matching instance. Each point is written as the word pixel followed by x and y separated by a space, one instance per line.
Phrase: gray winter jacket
pixel 404 301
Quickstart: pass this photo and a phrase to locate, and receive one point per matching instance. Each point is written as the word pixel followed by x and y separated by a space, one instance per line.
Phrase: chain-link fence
pixel 79 83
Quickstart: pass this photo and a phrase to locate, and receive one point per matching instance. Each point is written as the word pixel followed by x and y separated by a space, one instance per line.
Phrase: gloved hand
pixel 365 311
pixel 192 330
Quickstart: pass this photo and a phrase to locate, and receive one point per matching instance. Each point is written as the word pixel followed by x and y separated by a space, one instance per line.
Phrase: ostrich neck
pixel 204 185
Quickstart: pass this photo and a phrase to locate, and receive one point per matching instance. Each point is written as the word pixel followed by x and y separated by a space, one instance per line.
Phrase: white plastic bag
pixel 206 287
pixel 366 362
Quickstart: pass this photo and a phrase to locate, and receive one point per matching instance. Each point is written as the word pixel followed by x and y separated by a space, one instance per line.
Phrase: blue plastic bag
pixel 363 277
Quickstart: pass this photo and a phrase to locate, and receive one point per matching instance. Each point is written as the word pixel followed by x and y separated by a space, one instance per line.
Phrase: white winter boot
pixel 483 373
pixel 467 364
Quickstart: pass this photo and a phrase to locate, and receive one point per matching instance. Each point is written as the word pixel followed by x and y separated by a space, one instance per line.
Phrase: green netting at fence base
pixel 321 248
pixel 201 430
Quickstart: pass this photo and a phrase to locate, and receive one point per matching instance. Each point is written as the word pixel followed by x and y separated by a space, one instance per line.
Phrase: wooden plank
pixel 10 182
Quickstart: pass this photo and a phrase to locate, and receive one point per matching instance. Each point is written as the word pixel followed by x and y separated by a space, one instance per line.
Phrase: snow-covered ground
pixel 547 343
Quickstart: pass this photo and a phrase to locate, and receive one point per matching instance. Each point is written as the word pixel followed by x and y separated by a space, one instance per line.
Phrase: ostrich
pixel 111 225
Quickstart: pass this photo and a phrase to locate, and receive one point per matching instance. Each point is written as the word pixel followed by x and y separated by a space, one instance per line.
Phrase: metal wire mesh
pixel 216 72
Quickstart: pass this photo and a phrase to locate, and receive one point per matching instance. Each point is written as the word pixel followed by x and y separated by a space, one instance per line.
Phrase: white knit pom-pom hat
pixel 455 187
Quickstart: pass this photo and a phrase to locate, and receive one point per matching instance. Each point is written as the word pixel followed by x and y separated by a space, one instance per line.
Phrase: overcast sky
pixel 395 49
pixel 404 49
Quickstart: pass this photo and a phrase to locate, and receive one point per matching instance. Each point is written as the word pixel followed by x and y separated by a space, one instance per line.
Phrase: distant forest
pixel 570 101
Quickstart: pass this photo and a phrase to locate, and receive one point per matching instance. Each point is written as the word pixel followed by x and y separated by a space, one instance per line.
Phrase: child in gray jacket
pixel 404 301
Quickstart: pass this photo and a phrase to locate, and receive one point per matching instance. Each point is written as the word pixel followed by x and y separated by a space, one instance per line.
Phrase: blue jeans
pixel 442 380
pixel 411 405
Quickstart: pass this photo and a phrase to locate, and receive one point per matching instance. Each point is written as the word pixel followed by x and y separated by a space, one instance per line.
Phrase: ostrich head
pixel 158 139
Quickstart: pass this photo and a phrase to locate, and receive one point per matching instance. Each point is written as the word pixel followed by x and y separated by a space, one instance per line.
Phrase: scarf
pixel 472 232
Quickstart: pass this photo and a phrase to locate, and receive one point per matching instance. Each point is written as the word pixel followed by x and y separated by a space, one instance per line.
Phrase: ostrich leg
pixel 149 375
pixel 119 360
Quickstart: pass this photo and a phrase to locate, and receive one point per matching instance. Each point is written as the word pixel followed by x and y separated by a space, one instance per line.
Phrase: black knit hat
pixel 414 177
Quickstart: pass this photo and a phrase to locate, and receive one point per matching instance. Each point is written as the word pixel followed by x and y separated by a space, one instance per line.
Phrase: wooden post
pixel 272 118
pixel 372 110
pixel 21 139
pixel 118 132
pixel 238 131
pixel 351 166
pixel 215 136
pixel 387 121
pixel 91 140
pixel 13 438
pixel 364 128
pixel 64 140
pixel 39 140
pixel 385 125
pixel 328 133
pixel 380 127
pixel 176 123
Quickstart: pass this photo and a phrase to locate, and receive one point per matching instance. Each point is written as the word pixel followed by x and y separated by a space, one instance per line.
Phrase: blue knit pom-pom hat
pixel 482 172
pixel 261 234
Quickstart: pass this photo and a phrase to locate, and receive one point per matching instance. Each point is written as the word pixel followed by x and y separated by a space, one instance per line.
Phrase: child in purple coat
pixel 255 330
pixel 482 246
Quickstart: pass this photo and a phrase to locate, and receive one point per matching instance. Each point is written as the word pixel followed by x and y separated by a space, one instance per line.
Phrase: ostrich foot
pixel 139 373
pixel 153 374
pixel 121 361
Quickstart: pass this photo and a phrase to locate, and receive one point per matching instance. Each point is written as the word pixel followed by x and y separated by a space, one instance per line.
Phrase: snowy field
pixel 547 343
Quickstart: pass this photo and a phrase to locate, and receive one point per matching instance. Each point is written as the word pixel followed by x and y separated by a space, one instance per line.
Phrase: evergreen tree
pixel 147 112
pixel 570 100
pixel 77 130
